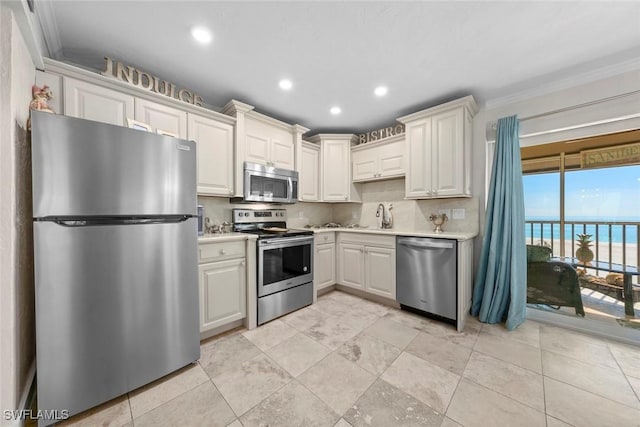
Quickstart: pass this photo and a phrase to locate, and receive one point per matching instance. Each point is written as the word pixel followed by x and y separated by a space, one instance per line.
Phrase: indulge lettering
pixel 146 81
pixel 375 135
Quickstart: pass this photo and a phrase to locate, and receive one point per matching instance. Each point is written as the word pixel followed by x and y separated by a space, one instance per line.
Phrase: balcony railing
pixel 613 242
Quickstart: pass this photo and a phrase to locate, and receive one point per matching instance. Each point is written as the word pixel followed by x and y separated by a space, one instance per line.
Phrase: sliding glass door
pixel 588 218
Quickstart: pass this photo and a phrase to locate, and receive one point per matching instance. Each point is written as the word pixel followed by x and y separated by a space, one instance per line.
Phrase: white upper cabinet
pixel 336 177
pixel 309 179
pixel 214 142
pixel 379 160
pixel 161 117
pixel 448 143
pixel 438 150
pixel 335 167
pixel 88 101
pixel 268 144
pixel 418 155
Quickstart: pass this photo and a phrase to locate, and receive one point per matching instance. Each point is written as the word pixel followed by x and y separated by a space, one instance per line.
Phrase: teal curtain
pixel 500 289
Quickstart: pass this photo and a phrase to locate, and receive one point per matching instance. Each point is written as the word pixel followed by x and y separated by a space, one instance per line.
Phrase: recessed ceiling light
pixel 380 91
pixel 335 110
pixel 201 34
pixel 285 84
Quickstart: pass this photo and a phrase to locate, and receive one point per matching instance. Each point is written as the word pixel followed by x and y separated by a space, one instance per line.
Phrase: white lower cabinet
pixel 351 265
pixel 380 271
pixel 223 284
pixel 324 261
pixel 367 262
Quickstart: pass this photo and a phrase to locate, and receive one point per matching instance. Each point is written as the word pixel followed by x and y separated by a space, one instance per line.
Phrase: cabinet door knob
pixel 242 263
pixel 345 197
pixel 222 252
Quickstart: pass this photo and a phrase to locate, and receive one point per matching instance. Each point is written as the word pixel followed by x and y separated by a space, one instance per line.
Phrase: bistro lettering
pixel 144 80
pixel 375 135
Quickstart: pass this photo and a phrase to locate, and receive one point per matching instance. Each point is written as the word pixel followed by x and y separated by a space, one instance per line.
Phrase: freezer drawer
pixel 86 168
pixel 117 307
pixel 426 275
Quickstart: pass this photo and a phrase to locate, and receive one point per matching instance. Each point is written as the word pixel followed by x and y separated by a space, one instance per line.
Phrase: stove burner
pixel 332 225
pixel 336 225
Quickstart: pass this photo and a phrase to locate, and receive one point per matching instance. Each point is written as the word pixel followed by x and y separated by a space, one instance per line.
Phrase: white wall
pixel 17 331
pixel 408 215
pixel 219 210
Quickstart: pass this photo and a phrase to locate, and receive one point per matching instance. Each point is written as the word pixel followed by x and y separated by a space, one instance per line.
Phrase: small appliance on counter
pixel 200 220
pixel 284 261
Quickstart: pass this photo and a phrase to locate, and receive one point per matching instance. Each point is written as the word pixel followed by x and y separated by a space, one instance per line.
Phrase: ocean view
pixel 631 232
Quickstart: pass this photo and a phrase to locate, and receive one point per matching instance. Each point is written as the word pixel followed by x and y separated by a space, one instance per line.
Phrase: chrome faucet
pixel 386 219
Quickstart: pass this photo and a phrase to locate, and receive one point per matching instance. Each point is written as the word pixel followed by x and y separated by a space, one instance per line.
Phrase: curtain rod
pixel 494 124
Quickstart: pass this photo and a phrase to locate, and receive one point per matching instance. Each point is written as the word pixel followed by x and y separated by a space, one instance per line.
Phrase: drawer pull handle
pixel 223 252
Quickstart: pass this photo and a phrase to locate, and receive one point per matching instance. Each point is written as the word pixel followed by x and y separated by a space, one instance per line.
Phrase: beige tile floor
pixel 346 361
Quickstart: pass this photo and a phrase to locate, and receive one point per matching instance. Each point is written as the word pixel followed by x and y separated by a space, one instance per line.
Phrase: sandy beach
pixel 605 254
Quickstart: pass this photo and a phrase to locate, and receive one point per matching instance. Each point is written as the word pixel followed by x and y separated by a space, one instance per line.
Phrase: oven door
pixel 284 263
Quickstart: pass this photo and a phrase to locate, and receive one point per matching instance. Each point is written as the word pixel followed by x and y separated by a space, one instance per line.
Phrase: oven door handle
pixel 289 241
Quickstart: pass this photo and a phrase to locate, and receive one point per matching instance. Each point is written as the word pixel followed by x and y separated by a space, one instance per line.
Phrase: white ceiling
pixel 336 53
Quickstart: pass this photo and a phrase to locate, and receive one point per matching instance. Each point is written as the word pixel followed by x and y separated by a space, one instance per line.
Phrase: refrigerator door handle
pixel 120 221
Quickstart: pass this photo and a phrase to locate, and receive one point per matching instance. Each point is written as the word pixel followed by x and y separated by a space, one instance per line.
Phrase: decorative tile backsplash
pixel 408 215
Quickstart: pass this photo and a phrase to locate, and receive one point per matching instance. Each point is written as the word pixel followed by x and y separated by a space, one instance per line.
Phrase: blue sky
pixel 610 193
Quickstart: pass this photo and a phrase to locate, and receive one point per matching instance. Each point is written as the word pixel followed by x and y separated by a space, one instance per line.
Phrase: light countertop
pixel 457 235
pixel 225 237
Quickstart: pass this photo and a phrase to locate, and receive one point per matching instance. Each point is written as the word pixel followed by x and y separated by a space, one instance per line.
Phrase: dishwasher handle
pixel 421 243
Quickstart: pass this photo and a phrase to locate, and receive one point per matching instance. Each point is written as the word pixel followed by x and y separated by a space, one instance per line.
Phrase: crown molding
pixel 565 83
pixel 67 70
pixel 467 102
pixel 318 138
pixel 233 107
pixel 49 25
pixel 30 30
pixel 380 142
pixel 300 129
pixel 269 120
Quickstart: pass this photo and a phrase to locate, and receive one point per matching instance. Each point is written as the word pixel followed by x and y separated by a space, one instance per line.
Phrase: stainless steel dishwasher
pixel 426 275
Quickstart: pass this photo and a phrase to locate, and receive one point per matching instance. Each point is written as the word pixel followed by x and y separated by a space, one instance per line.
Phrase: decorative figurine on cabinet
pixel 41 95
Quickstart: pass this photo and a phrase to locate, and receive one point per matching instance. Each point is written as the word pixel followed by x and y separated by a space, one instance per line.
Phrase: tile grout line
pixel 593 393
pixel 626 377
pixel 498 392
pixel 319 361
pixel 196 363
pixel 544 387
pixel 621 371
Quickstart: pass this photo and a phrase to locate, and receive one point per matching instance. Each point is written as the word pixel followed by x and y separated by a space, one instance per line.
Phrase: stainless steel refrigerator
pixel 115 246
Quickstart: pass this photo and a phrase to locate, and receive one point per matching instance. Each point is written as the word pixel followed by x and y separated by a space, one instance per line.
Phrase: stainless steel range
pixel 285 261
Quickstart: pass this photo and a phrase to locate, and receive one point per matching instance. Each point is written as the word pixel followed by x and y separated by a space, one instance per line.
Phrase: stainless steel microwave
pixel 269 185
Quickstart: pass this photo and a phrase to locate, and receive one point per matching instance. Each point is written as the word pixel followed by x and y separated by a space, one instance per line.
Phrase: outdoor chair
pixel 551 283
